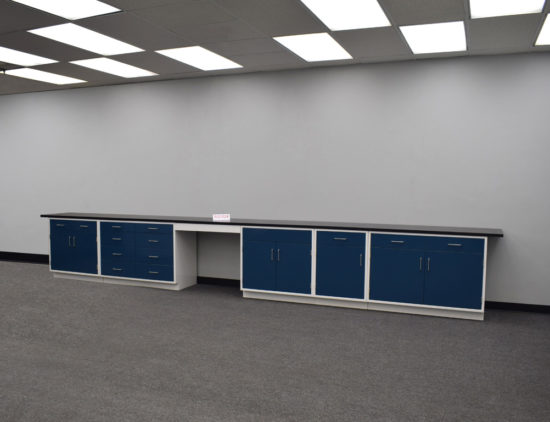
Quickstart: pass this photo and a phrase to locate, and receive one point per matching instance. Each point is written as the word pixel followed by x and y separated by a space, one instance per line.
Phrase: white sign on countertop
pixel 221 217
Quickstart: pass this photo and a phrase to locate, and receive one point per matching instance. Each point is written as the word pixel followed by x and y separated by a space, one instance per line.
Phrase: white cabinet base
pixel 405 308
pixel 310 300
pixel 126 282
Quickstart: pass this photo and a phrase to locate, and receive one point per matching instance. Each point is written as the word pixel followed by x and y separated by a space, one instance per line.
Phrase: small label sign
pixel 221 217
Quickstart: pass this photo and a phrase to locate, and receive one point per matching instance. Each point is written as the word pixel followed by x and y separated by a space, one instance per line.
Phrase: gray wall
pixel 460 142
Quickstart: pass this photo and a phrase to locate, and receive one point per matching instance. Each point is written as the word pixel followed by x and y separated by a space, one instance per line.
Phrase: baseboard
pixel 25 257
pixel 509 306
pixel 219 281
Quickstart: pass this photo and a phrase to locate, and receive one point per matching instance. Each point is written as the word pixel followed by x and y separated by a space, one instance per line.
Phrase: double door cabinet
pixel 127 250
pixel 404 269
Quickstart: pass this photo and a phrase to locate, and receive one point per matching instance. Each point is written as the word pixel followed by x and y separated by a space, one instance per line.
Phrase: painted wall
pixel 461 142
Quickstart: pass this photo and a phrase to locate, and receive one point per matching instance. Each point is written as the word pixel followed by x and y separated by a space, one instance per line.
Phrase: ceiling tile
pixel 155 62
pixel 137 4
pixel 242 47
pixel 415 12
pixel 18 17
pixel 130 28
pixel 267 60
pixel 506 33
pixel 273 18
pixel 79 72
pixel 228 31
pixel 373 43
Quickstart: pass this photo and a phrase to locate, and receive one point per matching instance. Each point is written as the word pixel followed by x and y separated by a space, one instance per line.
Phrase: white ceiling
pixel 242 31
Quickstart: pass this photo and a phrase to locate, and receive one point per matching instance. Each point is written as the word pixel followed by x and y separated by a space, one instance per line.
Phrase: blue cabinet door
pixel 61 245
pixel 397 275
pixel 259 265
pixel 341 266
pixel 85 247
pixel 454 279
pixel 293 267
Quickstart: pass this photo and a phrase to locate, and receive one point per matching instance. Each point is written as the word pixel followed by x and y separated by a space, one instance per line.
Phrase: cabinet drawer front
pixel 61 226
pixel 341 238
pixel 117 269
pixel 118 253
pixel 154 241
pixel 155 257
pixel 400 241
pixel 277 235
pixel 155 272
pixel 116 229
pixel 457 244
pixel 154 228
pixel 122 240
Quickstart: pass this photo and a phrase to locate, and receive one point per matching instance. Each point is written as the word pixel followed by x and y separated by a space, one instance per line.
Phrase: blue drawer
pixel 121 240
pixel 118 253
pixel 155 257
pixel 155 272
pixel 109 229
pixel 277 235
pixel 62 226
pixel 399 241
pixel 457 244
pixel 154 241
pixel 154 228
pixel 341 238
pixel 118 269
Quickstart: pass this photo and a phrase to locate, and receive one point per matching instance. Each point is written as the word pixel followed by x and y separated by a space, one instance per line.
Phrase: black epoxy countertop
pixel 402 228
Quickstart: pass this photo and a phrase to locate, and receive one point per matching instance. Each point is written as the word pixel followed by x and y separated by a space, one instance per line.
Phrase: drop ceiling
pixel 243 31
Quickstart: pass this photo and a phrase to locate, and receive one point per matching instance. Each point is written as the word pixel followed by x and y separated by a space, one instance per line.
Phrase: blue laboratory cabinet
pixel 73 246
pixel 428 270
pixel 340 264
pixel 277 260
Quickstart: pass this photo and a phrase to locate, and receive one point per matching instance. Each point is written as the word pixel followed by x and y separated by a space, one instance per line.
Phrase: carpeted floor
pixel 80 351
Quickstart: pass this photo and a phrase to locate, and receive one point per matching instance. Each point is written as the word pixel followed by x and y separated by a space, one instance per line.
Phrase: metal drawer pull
pixel 117 269
pixel 152 228
pixel 397 241
pixel 117 254
pixel 153 257
pixel 74 241
pixel 60 225
pixel 272 251
pixel 116 227
pixel 70 241
pixel 84 226
pixel 153 241
pixel 153 272
pixel 117 238
pixel 278 254
pixel 360 260
pixel 340 238
pixel 420 268
pixel 455 244
pixel 428 264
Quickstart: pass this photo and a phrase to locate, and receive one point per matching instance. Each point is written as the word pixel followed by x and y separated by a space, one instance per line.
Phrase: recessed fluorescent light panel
pixel 114 67
pixel 314 47
pixel 489 8
pixel 200 58
pixel 77 36
pixel 71 9
pixel 40 75
pixel 7 55
pixel 544 36
pixel 435 37
pixel 341 15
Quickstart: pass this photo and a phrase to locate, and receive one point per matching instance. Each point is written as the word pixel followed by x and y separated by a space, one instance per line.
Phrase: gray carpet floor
pixel 81 351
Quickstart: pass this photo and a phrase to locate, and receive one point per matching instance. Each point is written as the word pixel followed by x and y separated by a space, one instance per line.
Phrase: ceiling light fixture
pixel 544 35
pixel 114 67
pixel 348 14
pixel 7 55
pixel 435 37
pixel 77 36
pixel 200 58
pixel 71 9
pixel 490 8
pixel 314 47
pixel 40 75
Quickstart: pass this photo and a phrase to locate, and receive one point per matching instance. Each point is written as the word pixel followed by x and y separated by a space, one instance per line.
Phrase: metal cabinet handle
pixel 420 268
pixel 272 251
pixel 153 272
pixel 278 255
pixel 340 238
pixel 117 238
pixel 117 269
pixel 116 227
pixel 428 264
pixel 117 254
pixel 153 257
pixel 153 241
pixel 84 226
pixel 60 225
pixel 455 244
pixel 361 260
pixel 70 241
pixel 397 241
pixel 152 228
